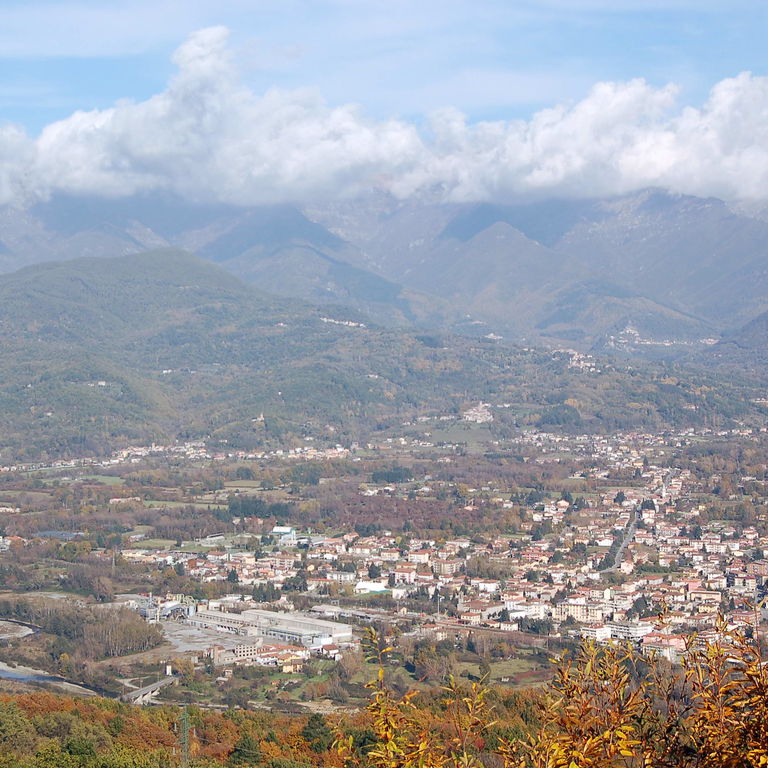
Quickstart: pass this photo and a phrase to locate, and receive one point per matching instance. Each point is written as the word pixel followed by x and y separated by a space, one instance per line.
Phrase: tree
pixel 80 746
pixel 533 576
pixel 297 583
pixel 238 697
pixel 247 751
pixel 52 756
pixel 232 577
pixel 265 593
pixel 16 732
pixel 641 607
pixel 462 491
pixel 317 733
pixel 579 549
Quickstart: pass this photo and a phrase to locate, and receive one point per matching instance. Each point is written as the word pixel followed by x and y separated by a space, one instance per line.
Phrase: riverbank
pixel 11 630
pixel 29 675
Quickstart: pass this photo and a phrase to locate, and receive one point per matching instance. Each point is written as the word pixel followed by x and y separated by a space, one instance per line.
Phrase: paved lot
pixel 186 638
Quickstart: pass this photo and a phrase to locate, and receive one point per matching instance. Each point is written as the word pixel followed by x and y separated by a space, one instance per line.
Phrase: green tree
pixel 246 752
pixel 317 733
pixel 52 756
pixel 16 732
pixel 244 473
pixel 80 746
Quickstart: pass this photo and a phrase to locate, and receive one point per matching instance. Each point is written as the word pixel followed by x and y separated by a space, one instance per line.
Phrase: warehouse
pixel 292 628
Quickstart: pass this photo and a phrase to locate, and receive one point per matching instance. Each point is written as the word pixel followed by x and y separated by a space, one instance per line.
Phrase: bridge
pixel 148 692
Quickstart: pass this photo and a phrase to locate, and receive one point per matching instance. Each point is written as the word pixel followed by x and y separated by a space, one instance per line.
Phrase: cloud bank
pixel 209 138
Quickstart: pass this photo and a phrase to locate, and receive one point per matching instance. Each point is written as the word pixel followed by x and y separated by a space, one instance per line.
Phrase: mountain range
pixel 651 272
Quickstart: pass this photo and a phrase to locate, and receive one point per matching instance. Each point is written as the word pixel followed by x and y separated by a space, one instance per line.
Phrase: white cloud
pixel 17 156
pixel 207 137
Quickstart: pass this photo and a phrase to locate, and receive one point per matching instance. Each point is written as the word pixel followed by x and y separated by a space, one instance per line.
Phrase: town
pixel 478 555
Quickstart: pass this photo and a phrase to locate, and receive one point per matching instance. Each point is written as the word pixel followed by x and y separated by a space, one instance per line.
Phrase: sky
pixel 250 101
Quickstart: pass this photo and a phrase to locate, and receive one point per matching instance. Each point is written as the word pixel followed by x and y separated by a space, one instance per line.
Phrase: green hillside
pixel 95 353
pixel 744 351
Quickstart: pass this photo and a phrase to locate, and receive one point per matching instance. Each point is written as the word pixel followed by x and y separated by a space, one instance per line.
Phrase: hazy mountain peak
pixel 405 262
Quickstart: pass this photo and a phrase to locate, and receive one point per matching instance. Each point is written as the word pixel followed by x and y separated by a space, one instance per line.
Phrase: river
pixel 30 675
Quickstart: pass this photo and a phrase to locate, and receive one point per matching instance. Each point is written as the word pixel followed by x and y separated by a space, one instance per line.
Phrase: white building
pixel 629 630
pixel 285 534
pixel 597 632
pixel 292 628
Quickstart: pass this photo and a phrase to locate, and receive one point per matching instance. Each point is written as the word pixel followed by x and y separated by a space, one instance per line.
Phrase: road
pixel 629 532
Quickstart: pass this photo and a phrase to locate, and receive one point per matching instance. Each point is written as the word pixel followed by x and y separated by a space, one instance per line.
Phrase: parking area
pixel 185 638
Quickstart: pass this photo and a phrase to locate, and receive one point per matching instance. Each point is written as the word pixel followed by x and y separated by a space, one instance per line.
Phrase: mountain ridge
pixel 673 268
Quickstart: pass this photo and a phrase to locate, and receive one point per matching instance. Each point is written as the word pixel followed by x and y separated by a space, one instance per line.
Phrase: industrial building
pixel 291 628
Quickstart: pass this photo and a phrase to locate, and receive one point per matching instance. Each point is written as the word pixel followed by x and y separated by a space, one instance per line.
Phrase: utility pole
pixel 184 736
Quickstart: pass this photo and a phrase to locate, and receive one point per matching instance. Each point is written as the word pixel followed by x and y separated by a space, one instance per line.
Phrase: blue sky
pixel 490 59
pixel 261 101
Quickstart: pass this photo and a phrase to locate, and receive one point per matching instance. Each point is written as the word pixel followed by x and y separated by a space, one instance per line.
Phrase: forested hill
pixel 746 349
pixel 162 345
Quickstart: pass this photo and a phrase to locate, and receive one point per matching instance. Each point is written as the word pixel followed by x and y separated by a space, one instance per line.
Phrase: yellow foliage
pixel 607 707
